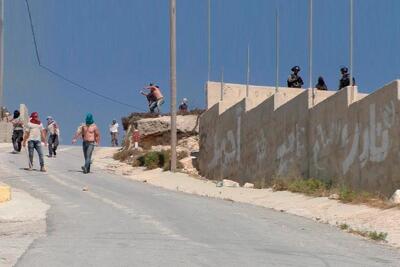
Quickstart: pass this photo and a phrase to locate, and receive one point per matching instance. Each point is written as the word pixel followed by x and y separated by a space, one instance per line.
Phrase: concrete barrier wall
pixel 343 137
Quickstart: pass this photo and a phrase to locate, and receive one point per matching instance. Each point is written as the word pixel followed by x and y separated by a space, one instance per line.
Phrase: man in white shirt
pixel 114 133
pixel 53 133
pixel 35 135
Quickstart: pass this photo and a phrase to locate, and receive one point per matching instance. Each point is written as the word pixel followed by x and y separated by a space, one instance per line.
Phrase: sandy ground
pixel 321 209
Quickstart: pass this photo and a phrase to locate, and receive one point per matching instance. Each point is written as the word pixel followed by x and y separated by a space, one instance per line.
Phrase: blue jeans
pixel 88 148
pixel 53 144
pixel 32 145
pixel 156 104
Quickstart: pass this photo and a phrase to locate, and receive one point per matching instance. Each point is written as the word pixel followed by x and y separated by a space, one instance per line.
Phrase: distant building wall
pixel 344 137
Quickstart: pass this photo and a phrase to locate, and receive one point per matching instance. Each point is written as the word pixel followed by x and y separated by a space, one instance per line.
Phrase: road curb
pixel 5 193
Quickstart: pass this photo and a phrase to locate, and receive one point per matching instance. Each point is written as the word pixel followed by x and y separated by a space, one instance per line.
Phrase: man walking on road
pixel 35 135
pixel 18 131
pixel 90 135
pixel 53 133
pixel 114 133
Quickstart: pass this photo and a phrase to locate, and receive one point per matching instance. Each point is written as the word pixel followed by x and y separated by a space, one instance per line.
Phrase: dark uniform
pixel 321 85
pixel 294 80
pixel 345 80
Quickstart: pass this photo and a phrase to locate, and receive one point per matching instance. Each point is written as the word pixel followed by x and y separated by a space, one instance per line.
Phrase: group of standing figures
pixel 295 80
pixel 33 134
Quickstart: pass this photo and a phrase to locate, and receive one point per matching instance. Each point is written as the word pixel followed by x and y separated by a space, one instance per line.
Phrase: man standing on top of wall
pixel 159 98
pixel 294 80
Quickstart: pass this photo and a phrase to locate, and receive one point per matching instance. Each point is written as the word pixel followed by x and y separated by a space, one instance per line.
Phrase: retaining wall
pixel 343 137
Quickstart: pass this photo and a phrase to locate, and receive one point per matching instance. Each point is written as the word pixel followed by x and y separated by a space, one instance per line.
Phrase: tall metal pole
pixel 277 50
pixel 173 82
pixel 209 40
pixel 351 41
pixel 310 51
pixel 248 71
pixel 222 84
pixel 1 51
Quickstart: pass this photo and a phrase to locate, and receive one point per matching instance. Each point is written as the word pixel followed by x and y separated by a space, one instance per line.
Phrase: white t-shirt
pixel 114 128
pixel 35 131
pixel 52 128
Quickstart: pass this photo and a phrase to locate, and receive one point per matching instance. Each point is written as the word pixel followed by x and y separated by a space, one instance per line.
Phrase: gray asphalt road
pixel 119 222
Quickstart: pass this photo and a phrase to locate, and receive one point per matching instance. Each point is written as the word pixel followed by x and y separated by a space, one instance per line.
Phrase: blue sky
pixel 117 47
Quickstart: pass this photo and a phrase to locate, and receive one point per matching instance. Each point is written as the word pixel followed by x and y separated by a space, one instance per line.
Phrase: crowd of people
pixel 295 80
pixel 33 135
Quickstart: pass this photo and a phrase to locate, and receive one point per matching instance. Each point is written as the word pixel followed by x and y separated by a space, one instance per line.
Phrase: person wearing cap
pixel 294 80
pixel 183 107
pixel 18 131
pixel 53 133
pixel 90 135
pixel 155 91
pixel 114 133
pixel 345 80
pixel 34 136
pixel 321 85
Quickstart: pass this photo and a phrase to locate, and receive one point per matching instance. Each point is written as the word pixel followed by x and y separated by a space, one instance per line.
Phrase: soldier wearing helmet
pixel 294 80
pixel 345 80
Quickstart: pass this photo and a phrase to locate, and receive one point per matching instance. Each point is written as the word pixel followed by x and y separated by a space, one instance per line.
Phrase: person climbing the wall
pixel 90 134
pixel 18 131
pixel 294 80
pixel 150 98
pixel 34 136
pixel 53 134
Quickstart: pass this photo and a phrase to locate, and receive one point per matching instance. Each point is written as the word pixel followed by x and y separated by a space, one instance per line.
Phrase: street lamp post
pixel 173 82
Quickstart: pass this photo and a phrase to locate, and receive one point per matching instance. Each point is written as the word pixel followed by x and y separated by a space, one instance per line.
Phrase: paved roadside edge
pixel 22 220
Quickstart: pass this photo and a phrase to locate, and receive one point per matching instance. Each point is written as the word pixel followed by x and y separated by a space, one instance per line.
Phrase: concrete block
pixel 5 193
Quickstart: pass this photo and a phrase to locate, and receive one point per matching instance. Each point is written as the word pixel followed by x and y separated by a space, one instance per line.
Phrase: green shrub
pixel 346 194
pixel 152 160
pixel 381 236
pixel 138 161
pixel 307 186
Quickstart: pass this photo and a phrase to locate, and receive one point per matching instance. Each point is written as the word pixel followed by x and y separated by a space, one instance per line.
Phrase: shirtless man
pixel 90 135
pixel 159 98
